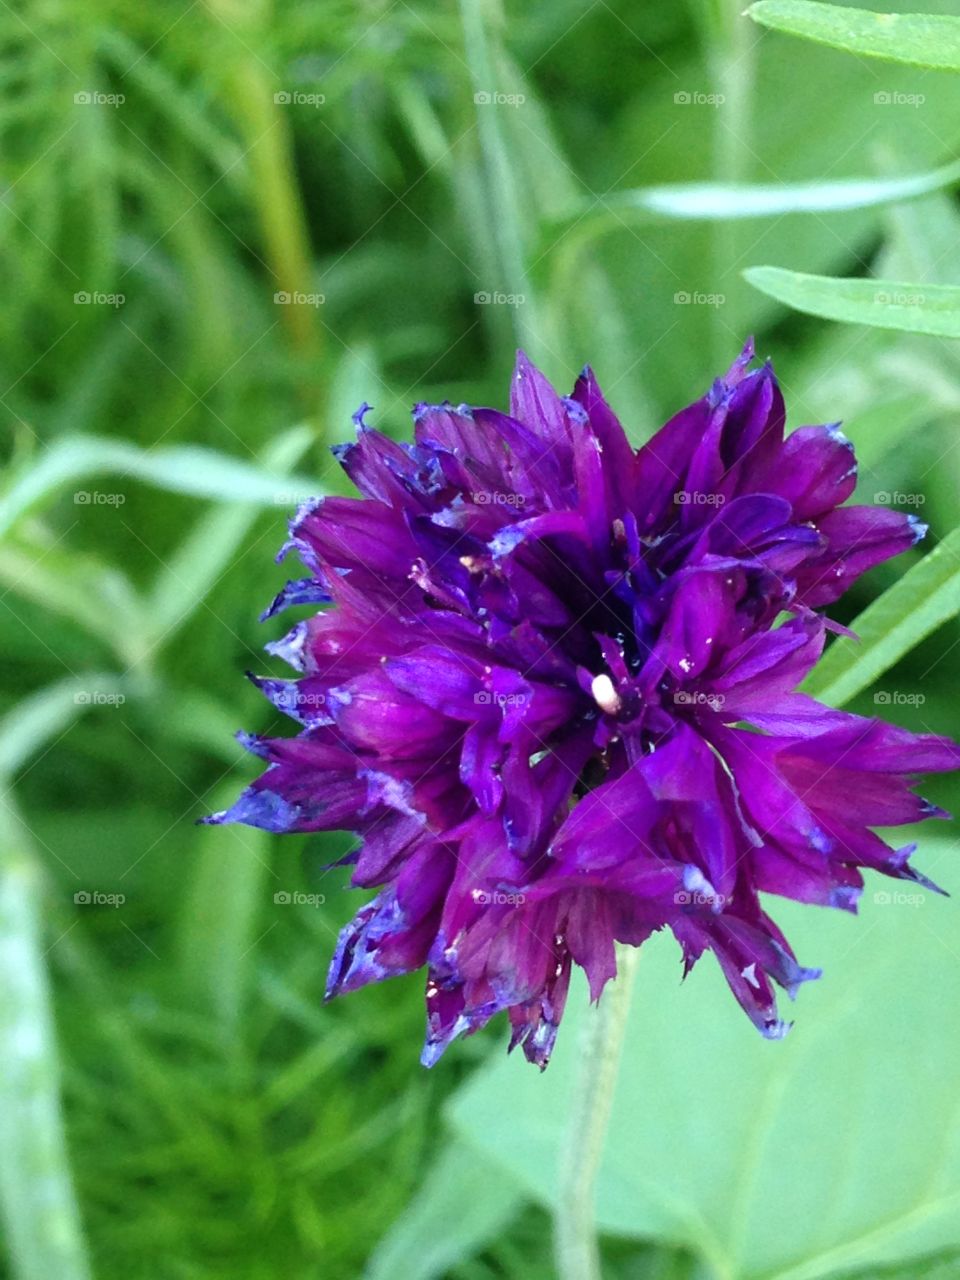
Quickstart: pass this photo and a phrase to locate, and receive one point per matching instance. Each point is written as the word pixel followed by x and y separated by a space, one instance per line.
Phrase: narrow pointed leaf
pixel 918 39
pixel 922 600
pixel 883 304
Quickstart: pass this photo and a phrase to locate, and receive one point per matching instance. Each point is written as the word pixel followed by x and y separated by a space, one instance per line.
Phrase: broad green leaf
pixel 945 1266
pixel 188 469
pixel 924 598
pixel 833 1150
pixel 464 1201
pixel 884 304
pixel 37 1202
pixel 919 39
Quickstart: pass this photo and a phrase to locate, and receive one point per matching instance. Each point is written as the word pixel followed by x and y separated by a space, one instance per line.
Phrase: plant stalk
pixel 576 1250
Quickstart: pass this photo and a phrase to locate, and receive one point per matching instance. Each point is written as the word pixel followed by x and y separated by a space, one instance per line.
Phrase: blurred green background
pixel 223 225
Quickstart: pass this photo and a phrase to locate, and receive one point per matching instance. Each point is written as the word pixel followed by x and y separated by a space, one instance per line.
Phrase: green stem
pixel 576 1250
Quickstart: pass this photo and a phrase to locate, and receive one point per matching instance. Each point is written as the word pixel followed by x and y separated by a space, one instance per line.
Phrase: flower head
pixel 553 695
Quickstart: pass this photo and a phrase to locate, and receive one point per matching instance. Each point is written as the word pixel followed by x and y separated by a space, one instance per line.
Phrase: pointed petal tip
pixel 357 417
pixel 212 819
pixel 775 1029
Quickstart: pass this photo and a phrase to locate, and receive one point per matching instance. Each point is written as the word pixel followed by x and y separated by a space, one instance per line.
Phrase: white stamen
pixel 604 694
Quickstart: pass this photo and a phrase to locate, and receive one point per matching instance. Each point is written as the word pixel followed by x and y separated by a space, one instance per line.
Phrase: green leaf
pixel 919 39
pixel 189 469
pixel 723 201
pixel 835 1149
pixel 883 304
pixel 464 1201
pixel 941 1267
pixel 919 602
pixel 39 1210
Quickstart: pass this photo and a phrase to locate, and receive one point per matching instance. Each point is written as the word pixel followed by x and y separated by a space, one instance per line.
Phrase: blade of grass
pixel 37 1199
pixel 884 304
pixel 502 195
pixel 924 598
pixel 200 472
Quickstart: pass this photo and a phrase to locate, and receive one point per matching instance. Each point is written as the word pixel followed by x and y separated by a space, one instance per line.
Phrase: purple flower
pixel 553 695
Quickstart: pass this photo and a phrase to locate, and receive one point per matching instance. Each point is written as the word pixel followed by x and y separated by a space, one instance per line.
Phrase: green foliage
pixel 788 1161
pixel 886 304
pixel 919 39
pixel 182 1101
pixel 892 625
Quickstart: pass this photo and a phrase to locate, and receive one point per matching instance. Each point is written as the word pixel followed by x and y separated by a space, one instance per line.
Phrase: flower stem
pixel 576 1250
